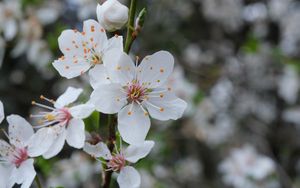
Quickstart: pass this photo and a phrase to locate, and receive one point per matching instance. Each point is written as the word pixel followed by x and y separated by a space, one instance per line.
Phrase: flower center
pixel 18 156
pixel 53 117
pixel 96 59
pixel 116 163
pixel 136 92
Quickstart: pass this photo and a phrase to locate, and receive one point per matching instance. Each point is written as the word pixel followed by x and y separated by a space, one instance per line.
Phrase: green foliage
pixel 251 45
pixel 92 122
pixel 44 165
pixel 25 3
pixel 199 96
pixel 53 36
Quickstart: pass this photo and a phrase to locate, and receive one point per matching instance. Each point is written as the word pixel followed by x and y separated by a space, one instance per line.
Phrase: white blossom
pixel 112 15
pixel 128 177
pixel 136 92
pixel 85 51
pixel 62 122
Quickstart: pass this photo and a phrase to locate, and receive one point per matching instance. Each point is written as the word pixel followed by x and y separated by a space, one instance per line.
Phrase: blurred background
pixel 237 66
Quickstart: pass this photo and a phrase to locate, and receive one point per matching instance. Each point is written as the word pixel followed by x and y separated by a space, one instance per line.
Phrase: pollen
pixel 158 81
pixel 161 109
pixel 146 113
pixel 83 33
pixel 161 95
pixel 129 113
pixel 92 28
pixel 67 67
pixel 118 68
pixel 92 39
pixel 162 70
pixel 102 30
pixel 49 117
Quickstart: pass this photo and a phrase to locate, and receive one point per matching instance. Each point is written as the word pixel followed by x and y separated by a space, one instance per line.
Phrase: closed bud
pixel 112 15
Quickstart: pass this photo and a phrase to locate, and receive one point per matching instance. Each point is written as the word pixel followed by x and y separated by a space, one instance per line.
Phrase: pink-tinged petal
pixel 69 96
pixel 24 175
pixel 19 130
pixel 41 141
pixel 75 133
pixel 129 177
pixel 155 69
pixel 82 111
pixel 133 124
pixel 98 150
pixel 70 67
pixel 98 76
pixel 71 43
pixel 58 144
pixel 108 98
pixel 94 35
pixel 2 115
pixel 120 67
pixel 165 105
pixel 133 153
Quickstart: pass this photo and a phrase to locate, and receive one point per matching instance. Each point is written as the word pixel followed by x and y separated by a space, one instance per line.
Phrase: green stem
pixel 38 182
pixel 130 26
pixel 111 145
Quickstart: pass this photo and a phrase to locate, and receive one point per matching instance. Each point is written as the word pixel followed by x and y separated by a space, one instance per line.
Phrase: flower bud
pixel 112 15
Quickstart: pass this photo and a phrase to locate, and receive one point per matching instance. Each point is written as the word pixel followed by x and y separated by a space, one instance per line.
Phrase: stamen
pixel 49 100
pixel 42 106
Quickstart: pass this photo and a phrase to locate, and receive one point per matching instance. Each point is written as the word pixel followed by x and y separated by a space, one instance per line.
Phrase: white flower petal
pixel 94 34
pixel 5 172
pixel 129 177
pixel 41 141
pixel 24 174
pixel 70 67
pixel 70 43
pixel 120 67
pixel 115 42
pixel 98 76
pixel 98 150
pixel 58 144
pixel 19 130
pixel 10 29
pixel 70 95
pixel 133 124
pixel 75 133
pixel 108 98
pixel 82 111
pixel 155 69
pixel 2 115
pixel 166 107
pixel 4 148
pixel 133 153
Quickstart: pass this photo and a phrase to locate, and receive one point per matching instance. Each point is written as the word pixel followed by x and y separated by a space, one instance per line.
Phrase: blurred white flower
pixel 2 50
pixel 212 126
pixel 182 87
pixel 245 168
pixel 227 13
pixel 292 115
pixel 85 8
pixel 10 13
pixel 112 15
pixel 72 172
pixel 288 85
pixel 16 155
pixel 278 8
pixel 86 51
pixel 63 122
pixel 255 12
pixel 188 169
pixel 136 92
pixel 128 176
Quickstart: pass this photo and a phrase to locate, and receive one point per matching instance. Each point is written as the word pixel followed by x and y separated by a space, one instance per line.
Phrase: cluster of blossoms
pixel 132 90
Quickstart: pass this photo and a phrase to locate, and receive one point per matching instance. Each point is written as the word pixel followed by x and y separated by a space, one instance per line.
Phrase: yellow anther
pixel 49 117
